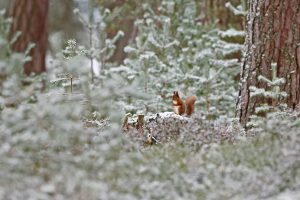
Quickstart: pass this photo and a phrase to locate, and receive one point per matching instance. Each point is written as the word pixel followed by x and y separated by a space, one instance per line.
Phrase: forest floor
pixel 195 158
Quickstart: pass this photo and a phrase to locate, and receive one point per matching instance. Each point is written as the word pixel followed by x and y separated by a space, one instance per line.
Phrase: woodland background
pixel 75 75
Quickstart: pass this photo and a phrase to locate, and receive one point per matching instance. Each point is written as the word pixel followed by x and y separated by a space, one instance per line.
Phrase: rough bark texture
pixel 273 36
pixel 30 17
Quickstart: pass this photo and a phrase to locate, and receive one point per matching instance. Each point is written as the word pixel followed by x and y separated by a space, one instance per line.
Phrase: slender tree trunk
pixel 30 18
pixel 273 36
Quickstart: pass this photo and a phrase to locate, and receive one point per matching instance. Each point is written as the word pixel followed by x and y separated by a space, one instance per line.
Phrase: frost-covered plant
pixel 66 73
pixel 48 137
pixel 215 160
pixel 11 72
pixel 101 48
pixel 173 51
pixel 98 49
pixel 239 10
pixel 273 94
pixel 55 147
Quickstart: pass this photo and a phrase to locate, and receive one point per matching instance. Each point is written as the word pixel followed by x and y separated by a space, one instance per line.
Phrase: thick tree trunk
pixel 30 18
pixel 273 36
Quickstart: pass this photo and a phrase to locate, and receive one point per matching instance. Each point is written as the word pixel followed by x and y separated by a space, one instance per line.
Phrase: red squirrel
pixel 180 107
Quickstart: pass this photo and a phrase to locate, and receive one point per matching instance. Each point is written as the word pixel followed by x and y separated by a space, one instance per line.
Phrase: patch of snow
pixel 48 188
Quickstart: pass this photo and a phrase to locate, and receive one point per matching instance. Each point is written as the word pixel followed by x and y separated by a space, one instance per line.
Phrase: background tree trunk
pixel 30 17
pixel 213 11
pixel 273 36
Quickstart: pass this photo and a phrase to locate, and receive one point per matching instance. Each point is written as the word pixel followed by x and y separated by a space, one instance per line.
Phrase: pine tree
pixel 272 37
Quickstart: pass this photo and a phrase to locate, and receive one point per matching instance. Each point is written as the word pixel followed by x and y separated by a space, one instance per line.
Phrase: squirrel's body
pixel 180 107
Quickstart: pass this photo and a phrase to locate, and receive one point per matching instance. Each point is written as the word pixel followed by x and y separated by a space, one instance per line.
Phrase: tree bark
pixel 30 18
pixel 215 11
pixel 273 36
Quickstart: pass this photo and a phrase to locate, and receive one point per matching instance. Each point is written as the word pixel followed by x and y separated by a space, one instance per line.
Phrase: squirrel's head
pixel 175 95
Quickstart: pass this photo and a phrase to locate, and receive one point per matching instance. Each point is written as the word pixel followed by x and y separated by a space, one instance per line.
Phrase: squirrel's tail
pixel 190 105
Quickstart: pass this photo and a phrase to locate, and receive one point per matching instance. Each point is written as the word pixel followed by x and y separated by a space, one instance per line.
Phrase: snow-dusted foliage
pixel 239 10
pixel 219 160
pixel 48 136
pixel 274 95
pixel 173 51
pixel 62 143
pixel 98 49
